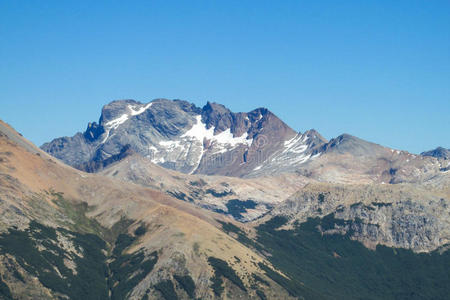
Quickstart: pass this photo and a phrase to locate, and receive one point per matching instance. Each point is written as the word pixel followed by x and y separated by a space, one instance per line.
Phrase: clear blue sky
pixel 379 70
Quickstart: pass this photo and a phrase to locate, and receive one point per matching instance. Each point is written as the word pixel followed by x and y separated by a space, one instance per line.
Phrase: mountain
pixel 439 152
pixel 348 159
pixel 180 136
pixel 66 234
pixel 213 140
pixel 135 230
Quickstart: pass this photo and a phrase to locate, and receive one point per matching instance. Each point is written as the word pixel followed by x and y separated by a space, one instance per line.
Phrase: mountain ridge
pixel 136 220
pixel 213 140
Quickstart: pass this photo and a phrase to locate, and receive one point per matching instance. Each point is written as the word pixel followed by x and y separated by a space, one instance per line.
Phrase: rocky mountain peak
pixel 93 131
pixel 178 135
pixel 439 152
pixel 116 108
pixel 315 138
pixel 217 116
pixel 347 143
pixel 213 140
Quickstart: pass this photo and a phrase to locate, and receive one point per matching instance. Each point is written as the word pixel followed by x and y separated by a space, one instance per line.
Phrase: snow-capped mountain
pixel 212 140
pixel 181 136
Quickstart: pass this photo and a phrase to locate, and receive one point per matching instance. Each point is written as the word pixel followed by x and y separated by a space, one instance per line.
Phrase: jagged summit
pixel 213 140
pixel 178 135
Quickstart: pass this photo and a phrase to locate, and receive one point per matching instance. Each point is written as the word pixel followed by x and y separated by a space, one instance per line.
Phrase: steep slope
pixel 68 234
pixel 180 136
pixel 400 216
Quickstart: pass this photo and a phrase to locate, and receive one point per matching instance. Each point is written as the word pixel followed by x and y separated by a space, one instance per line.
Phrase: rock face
pixel 212 140
pixel 400 216
pixel 180 136
pixel 439 152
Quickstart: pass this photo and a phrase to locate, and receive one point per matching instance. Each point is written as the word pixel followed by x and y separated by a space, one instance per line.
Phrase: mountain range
pixel 166 200
pixel 215 141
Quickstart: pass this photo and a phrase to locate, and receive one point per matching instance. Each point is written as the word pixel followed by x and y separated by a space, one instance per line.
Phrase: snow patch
pixel 296 144
pixel 315 155
pixel 226 137
pixel 170 145
pixel 153 149
pixel 199 130
pixel 193 140
pixel 113 124
pixel 135 112
pixel 160 160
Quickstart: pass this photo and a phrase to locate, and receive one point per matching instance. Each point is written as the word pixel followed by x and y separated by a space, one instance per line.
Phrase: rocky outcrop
pixel 400 216
pixel 96 166
pixel 439 152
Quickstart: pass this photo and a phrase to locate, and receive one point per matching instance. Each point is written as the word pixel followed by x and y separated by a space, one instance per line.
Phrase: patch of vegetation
pixel 141 230
pixel 76 212
pixel 336 267
pixel 261 294
pixel 222 269
pixel 237 207
pixel 198 183
pixel 218 194
pixel 329 222
pixel 293 286
pixel 17 275
pixel 260 279
pixel 241 236
pixel 392 171
pixel 166 289
pixel 381 204
pixel 217 285
pixel 38 251
pixel 196 248
pixel 48 264
pixel 127 270
pixel 355 204
pixel 5 292
pixel 180 196
pixel 123 241
pixel 187 283
pixel 321 198
pixel 111 235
